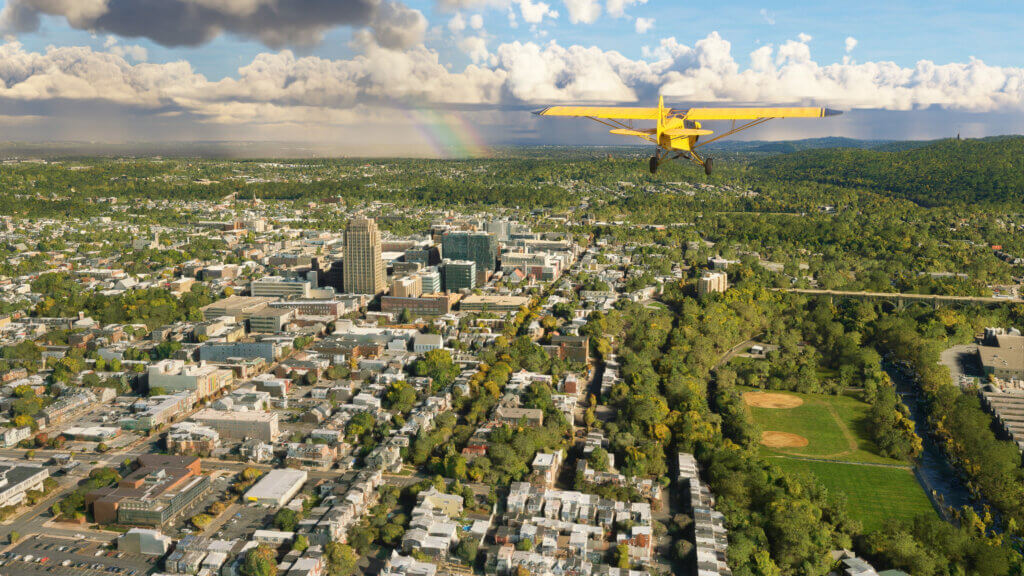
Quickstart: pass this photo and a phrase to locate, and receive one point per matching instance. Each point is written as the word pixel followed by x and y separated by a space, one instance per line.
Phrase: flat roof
pixel 242 415
pixel 494 299
pixel 276 484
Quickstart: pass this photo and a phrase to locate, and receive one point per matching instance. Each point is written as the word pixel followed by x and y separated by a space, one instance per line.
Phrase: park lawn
pixel 874 494
pixel 813 420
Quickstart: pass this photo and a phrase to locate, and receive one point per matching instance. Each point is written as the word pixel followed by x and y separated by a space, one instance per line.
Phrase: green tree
pixel 467 550
pixel 301 543
pixel 260 561
pixel 286 520
pixel 599 459
pixel 341 559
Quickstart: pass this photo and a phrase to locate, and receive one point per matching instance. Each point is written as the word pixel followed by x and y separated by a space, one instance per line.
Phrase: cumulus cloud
pixel 617 8
pixel 643 25
pixel 534 11
pixel 476 22
pixel 583 11
pixel 397 26
pixel 276 23
pixel 457 23
pixel 476 48
pixel 851 43
pixel 126 51
pixel 283 88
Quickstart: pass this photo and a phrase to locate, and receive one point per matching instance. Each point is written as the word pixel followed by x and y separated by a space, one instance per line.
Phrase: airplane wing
pixel 757 113
pixel 616 112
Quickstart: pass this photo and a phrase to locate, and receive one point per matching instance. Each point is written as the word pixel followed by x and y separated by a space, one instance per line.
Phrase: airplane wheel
pixel 709 165
pixel 654 164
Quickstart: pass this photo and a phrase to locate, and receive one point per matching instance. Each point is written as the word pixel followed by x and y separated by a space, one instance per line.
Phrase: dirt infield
pixel 771 400
pixel 773 439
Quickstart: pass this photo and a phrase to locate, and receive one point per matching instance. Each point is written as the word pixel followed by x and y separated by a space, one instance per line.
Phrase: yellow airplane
pixel 677 131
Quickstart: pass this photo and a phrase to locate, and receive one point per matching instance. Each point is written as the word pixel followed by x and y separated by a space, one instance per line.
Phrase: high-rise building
pixel 430 281
pixel 480 247
pixel 712 282
pixel 427 255
pixel 364 268
pixel 459 275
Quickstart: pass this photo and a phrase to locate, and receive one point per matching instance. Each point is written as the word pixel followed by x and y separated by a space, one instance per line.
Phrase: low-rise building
pixel 177 376
pixel 16 480
pixel 190 438
pixel 158 491
pixel 232 425
pixel 144 541
pixel 277 487
pixel 491 303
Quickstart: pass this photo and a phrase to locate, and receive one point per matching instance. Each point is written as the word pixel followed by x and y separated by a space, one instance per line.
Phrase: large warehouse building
pixel 277 487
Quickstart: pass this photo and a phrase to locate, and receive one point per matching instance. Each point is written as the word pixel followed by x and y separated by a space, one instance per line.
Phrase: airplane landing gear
pixel 654 164
pixel 709 166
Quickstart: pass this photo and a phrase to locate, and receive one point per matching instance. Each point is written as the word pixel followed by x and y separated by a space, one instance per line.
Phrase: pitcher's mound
pixel 773 439
pixel 771 400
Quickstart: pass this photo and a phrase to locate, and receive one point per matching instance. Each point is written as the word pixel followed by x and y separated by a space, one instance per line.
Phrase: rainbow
pixel 447 133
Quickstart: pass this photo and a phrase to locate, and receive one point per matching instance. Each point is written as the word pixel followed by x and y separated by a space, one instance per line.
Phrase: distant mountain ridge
pixel 939 173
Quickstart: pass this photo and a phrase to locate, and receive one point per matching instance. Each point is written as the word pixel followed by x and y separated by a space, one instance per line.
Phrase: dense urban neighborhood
pixel 507 366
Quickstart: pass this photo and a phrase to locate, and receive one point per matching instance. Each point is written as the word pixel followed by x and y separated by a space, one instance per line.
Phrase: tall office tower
pixel 502 229
pixel 480 247
pixel 459 275
pixel 364 268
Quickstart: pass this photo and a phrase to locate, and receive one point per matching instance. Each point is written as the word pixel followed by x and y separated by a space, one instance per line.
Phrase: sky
pixel 456 77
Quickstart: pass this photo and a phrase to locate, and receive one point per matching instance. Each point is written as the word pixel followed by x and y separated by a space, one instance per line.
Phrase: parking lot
pixel 59 556
pixel 244 522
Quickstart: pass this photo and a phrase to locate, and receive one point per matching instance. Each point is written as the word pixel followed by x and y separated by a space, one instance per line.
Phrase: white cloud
pixel 768 16
pixel 476 48
pixel 804 38
pixel 282 88
pixel 457 23
pixel 130 51
pixel 476 22
pixel 643 25
pixel 851 43
pixel 534 11
pixel 583 11
pixel 617 8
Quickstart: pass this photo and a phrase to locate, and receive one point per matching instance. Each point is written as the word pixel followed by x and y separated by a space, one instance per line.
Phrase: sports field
pixel 835 427
pixel 829 437
pixel 873 493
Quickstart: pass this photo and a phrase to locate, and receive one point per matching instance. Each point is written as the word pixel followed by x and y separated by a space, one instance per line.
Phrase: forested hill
pixel 947 172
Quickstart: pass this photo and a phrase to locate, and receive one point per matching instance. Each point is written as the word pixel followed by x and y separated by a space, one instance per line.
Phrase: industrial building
pixel 144 541
pixel 277 487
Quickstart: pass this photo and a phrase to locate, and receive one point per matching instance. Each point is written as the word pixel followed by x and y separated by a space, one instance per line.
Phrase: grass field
pixel 873 493
pixel 837 428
